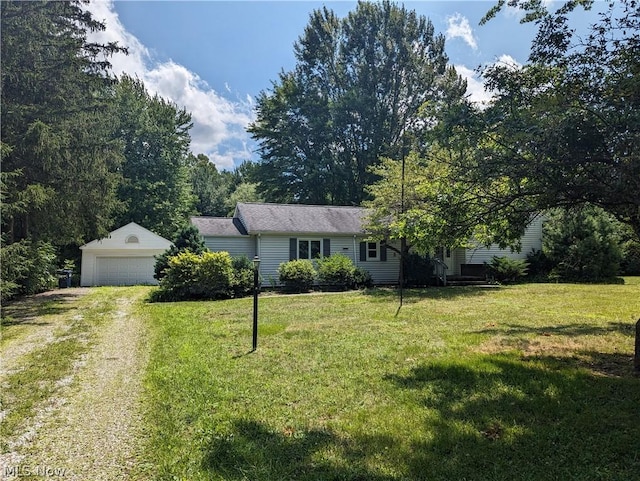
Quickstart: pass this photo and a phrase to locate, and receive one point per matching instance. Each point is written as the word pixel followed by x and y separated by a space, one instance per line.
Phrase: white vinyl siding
pixel 458 258
pixel 382 271
pixel 345 246
pixel 274 250
pixel 235 246
pixel 532 239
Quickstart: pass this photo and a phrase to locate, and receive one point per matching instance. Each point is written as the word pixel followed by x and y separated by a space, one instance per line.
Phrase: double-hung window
pixel 373 251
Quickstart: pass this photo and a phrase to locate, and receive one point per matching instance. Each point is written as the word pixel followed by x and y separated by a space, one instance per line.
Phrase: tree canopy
pixel 59 162
pixel 82 151
pixel 569 122
pixel 155 188
pixel 353 97
pixel 561 131
pixel 566 127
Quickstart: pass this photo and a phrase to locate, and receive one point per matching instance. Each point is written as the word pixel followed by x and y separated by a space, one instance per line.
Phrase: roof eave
pixel 306 233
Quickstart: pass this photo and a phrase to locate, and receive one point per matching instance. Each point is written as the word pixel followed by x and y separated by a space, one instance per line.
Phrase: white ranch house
pixel 281 232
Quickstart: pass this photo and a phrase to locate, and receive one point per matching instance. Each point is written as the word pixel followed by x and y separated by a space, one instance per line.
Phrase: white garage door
pixel 124 271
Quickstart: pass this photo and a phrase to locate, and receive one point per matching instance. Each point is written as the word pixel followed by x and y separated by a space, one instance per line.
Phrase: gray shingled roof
pixel 297 218
pixel 219 226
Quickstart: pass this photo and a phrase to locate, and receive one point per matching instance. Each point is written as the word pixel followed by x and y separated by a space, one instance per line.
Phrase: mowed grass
pixel 531 382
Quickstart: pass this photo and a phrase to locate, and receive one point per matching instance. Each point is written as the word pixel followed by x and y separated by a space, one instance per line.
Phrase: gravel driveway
pixel 91 430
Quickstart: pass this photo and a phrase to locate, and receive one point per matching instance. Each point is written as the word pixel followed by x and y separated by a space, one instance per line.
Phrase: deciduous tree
pixel 566 127
pixel 353 97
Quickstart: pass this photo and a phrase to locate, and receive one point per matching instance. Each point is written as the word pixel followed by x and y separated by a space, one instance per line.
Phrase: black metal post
pixel 255 307
pixel 636 358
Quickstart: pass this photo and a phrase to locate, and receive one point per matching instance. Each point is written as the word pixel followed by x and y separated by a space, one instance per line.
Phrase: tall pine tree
pixel 59 159
pixel 156 188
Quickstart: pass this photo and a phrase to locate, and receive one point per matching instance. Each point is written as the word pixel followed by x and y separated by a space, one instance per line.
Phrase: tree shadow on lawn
pixel 496 417
pixel 502 417
pixel 254 451
pixel 414 295
pixel 26 310
pixel 571 330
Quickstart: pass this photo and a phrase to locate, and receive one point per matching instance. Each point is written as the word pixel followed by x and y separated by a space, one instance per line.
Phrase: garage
pixel 125 271
pixel 126 257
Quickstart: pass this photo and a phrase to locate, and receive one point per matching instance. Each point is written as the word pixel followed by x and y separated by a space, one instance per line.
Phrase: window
pixel 132 239
pixel 372 251
pixel 309 248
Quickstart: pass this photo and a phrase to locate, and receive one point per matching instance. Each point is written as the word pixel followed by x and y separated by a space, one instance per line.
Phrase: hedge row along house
pixel 276 233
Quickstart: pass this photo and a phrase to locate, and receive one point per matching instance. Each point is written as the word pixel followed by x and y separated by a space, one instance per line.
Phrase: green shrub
pixel 297 275
pixel 540 265
pixel 27 268
pixel 216 274
pixel 418 270
pixel 505 269
pixel 210 275
pixel 362 278
pixel 187 239
pixel 336 271
pixel 630 265
pixel 242 282
pixel 582 244
pixel 191 276
pixel 180 278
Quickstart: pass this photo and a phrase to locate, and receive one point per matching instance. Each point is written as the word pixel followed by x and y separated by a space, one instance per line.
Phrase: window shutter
pixel 363 251
pixel 383 251
pixel 326 247
pixel 293 248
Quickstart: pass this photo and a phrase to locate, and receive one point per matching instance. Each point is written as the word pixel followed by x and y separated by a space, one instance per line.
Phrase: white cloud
pixel 517 13
pixel 475 86
pixel 459 27
pixel 508 61
pixel 132 64
pixel 228 158
pixel 475 83
pixel 216 120
pixel 218 123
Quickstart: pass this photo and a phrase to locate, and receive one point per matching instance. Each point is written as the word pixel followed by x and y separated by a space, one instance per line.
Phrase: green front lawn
pixel 531 382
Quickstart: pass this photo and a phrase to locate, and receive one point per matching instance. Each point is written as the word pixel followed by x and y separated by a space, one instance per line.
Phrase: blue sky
pixel 214 57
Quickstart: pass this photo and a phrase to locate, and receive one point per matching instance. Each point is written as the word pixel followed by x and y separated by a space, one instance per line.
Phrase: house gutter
pixel 259 245
pixel 355 256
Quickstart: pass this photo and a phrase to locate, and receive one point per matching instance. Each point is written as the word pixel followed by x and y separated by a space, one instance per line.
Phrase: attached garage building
pixel 125 257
